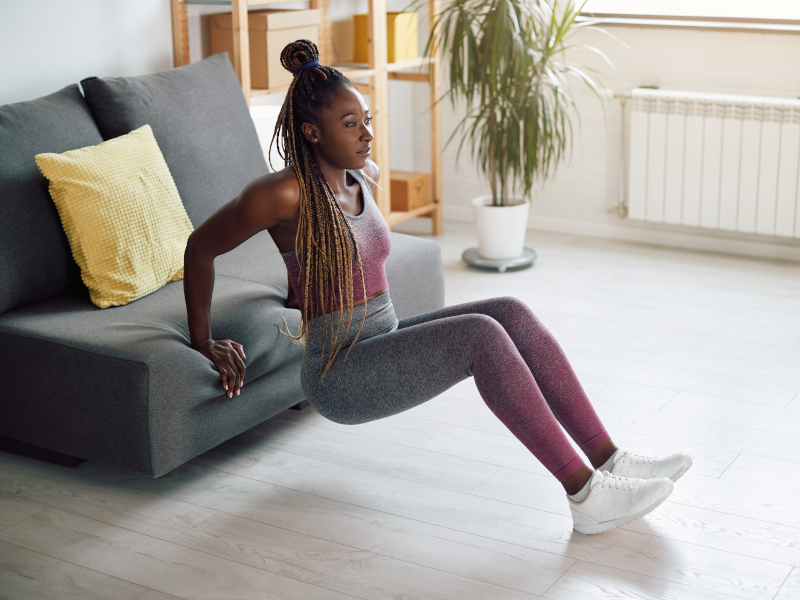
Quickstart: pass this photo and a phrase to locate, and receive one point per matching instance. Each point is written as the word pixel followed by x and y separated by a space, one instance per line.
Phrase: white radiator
pixel 715 161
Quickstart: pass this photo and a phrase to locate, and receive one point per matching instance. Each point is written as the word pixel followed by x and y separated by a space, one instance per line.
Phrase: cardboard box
pixel 270 31
pixel 410 190
pixel 402 37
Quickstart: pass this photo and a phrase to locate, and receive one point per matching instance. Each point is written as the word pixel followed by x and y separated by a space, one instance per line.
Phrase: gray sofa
pixel 121 386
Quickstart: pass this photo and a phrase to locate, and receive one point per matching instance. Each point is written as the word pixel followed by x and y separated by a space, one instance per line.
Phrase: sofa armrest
pixel 415 274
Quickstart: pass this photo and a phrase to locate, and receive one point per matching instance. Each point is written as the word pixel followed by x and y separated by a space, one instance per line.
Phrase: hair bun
pixel 298 53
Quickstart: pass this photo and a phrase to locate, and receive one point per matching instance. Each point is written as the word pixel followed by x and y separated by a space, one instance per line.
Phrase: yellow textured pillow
pixel 122 214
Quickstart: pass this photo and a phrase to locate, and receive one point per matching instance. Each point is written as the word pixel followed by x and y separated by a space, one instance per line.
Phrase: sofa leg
pixel 301 405
pixel 31 451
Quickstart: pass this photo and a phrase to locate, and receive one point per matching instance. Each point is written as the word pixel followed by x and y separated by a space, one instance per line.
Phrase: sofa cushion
pixel 122 214
pixel 201 122
pixel 35 260
pixel 122 385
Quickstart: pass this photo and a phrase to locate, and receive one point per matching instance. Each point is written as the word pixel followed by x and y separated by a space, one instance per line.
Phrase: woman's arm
pixel 261 205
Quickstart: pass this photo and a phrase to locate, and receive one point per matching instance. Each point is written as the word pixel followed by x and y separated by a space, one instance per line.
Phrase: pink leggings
pixel 520 370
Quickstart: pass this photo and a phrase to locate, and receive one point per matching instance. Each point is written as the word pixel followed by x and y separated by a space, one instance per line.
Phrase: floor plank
pixel 696 430
pixel 698 526
pixel 732 412
pixel 80 491
pixel 14 509
pixel 331 565
pixel 791 587
pixel 515 524
pixel 600 389
pixel 687 380
pixel 447 549
pixel 776 475
pixel 378 456
pixel 779 368
pixel 758 355
pixel 585 581
pixel 494 448
pixel 734 498
pixel 28 575
pixel 542 492
pixel 722 531
pixel 153 563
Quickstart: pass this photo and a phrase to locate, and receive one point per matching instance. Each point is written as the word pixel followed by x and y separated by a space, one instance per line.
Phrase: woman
pixel 359 362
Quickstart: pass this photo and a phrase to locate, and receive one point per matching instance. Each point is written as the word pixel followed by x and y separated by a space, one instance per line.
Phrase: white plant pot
pixel 501 229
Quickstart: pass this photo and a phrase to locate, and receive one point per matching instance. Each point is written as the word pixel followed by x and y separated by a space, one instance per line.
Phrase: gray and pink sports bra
pixel 374 242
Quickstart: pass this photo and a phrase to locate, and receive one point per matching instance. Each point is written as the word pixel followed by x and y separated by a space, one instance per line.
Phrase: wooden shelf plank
pixel 354 72
pixel 180 33
pixel 392 67
pixel 409 64
pixel 377 56
pixel 241 46
pixel 249 2
pixel 416 77
pixel 398 216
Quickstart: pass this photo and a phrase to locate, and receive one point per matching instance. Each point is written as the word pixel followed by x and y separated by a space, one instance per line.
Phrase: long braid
pixel 322 242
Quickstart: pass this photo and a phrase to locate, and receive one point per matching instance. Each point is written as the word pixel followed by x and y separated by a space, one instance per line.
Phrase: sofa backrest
pixel 35 259
pixel 200 120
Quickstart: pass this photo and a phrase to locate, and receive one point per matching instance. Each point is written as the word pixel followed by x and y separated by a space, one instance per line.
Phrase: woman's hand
pixel 228 357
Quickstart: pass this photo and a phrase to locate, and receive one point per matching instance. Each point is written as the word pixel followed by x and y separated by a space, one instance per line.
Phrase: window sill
pixel 711 24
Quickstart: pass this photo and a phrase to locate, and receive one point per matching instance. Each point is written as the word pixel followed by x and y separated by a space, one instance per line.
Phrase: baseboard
pixel 656 234
pixel 31 451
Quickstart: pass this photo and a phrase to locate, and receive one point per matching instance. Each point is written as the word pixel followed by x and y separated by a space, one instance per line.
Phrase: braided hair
pixel 321 244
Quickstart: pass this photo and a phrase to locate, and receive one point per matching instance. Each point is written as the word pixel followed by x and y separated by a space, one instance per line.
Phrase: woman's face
pixel 344 136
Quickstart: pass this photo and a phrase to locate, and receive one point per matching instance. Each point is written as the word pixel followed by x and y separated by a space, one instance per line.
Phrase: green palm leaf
pixel 506 61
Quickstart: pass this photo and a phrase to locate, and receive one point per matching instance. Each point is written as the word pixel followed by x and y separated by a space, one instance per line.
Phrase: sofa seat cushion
pixel 122 384
pixel 35 259
pixel 201 122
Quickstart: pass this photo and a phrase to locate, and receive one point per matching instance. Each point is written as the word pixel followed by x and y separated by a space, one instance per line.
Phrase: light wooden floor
pixel 680 351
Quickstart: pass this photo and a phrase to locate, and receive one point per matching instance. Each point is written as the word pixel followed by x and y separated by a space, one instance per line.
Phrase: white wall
pixel 48 44
pixel 578 198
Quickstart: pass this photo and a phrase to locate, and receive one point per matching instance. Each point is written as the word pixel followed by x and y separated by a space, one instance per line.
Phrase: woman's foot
pixel 613 501
pixel 626 464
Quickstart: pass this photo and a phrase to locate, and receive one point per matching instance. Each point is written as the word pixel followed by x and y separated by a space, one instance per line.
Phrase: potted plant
pixel 506 60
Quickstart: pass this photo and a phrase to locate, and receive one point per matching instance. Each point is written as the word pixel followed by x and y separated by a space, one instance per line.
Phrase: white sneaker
pixel 614 501
pixel 627 464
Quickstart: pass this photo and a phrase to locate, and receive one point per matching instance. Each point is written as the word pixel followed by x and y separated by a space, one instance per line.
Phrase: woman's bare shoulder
pixel 372 171
pixel 277 193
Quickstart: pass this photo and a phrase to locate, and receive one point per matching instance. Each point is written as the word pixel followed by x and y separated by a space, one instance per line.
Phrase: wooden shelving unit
pixel 378 70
